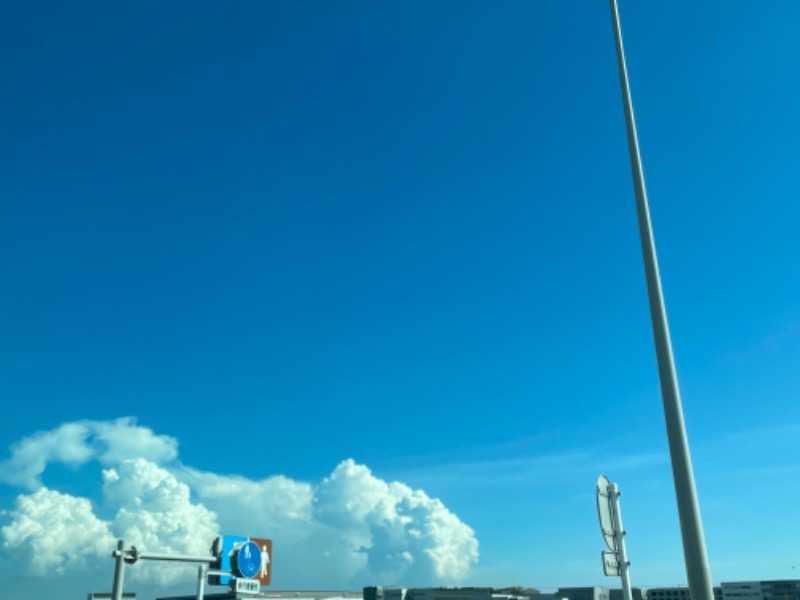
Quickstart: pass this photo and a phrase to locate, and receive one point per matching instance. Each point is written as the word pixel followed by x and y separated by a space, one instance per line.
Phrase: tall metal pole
pixel 694 546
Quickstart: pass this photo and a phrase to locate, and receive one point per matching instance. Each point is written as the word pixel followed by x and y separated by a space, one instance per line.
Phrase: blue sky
pixel 316 246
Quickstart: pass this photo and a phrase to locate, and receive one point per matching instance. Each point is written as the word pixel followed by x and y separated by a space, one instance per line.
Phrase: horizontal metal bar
pixel 134 555
pixel 177 557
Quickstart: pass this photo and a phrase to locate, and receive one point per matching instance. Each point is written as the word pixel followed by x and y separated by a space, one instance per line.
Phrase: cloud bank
pixel 348 530
pixel 74 444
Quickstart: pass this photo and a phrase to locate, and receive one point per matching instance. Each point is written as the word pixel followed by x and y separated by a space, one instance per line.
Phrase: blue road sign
pixel 248 560
pixel 244 558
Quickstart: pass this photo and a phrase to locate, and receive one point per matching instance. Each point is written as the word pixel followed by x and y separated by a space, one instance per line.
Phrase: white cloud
pixel 270 503
pixel 114 441
pixel 75 444
pixel 305 552
pixel 52 532
pixel 353 527
pixel 155 513
pixel 403 533
pixel 350 529
pixel 30 456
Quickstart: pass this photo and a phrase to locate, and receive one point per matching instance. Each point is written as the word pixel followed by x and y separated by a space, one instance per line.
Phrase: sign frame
pixel 228 547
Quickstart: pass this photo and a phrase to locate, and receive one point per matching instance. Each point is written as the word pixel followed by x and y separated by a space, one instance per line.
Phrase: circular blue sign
pixel 248 560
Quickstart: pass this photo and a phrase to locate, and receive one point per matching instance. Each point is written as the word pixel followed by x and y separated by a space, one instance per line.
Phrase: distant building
pixel 449 593
pixel 394 593
pixel 275 595
pixel 553 596
pixel 676 593
pixel 384 592
pixel 583 593
pixel 636 594
pixel 516 590
pixel 782 589
pixel 742 590
pixel 668 593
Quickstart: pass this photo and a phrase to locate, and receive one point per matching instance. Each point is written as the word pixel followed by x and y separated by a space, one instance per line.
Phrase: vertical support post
pixel 119 570
pixel 202 570
pixel 619 534
pixel 694 545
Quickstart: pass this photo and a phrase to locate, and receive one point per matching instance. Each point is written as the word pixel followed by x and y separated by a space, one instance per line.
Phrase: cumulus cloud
pixel 75 444
pixel 402 532
pixel 52 532
pixel 155 513
pixel 353 526
pixel 114 441
pixel 350 529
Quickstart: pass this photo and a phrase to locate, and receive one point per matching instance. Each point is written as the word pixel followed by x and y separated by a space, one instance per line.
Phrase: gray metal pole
pixel 119 571
pixel 202 570
pixel 694 546
pixel 176 557
pixel 619 534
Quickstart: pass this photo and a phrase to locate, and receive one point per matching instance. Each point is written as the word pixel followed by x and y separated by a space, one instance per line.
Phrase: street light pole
pixel 694 546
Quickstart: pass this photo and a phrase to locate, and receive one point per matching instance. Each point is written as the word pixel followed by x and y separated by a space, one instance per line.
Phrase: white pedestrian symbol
pixel 264 562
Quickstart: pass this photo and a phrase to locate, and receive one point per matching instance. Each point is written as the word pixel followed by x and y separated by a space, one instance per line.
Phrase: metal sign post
pixel 132 555
pixel 119 571
pixel 244 563
pixel 615 562
pixel 619 533
pixel 202 571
